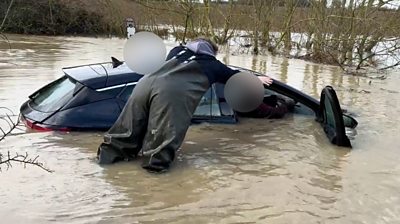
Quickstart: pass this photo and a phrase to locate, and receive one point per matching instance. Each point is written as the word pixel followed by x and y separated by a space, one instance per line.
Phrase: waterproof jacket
pixel 215 70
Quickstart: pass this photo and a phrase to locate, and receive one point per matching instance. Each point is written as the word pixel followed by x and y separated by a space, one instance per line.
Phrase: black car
pixel 91 97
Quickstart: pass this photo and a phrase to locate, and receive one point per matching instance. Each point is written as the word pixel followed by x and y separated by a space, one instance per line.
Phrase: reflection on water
pixel 259 171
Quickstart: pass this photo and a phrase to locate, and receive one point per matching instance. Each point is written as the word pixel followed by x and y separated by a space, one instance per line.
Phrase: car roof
pixel 102 75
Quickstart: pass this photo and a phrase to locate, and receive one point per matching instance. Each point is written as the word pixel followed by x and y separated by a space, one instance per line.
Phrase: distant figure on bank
pixel 130 30
pixel 157 115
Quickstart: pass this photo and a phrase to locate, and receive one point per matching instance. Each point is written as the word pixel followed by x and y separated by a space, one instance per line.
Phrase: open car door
pixel 332 119
pixel 327 110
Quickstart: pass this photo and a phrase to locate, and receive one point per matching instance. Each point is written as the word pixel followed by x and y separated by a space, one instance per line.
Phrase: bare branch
pixel 23 159
pixel 7 159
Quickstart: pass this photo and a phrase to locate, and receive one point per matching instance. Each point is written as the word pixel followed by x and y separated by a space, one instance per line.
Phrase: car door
pixel 332 119
pixel 327 111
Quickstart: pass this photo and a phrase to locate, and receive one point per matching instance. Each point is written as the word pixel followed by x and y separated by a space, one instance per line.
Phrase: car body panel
pixel 28 112
pixel 99 115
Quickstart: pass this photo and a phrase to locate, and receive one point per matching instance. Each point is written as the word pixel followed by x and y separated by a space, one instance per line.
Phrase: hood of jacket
pixel 201 47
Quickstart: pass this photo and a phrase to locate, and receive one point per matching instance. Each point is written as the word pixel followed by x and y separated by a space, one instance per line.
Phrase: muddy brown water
pixel 258 171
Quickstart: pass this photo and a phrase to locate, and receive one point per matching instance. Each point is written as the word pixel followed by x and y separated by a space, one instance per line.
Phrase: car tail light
pixel 41 127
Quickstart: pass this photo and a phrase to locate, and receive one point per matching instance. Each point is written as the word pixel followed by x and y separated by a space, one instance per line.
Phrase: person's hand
pixel 266 80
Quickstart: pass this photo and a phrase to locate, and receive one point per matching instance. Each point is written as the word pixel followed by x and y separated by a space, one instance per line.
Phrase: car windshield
pixel 53 96
pixel 329 114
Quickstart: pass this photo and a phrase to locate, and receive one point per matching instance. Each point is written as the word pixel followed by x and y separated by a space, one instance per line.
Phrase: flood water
pixel 258 171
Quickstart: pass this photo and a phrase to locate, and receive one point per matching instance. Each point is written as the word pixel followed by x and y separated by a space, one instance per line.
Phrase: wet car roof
pixel 102 75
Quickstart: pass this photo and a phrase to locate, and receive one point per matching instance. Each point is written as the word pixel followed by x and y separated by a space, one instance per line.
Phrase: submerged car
pixel 91 97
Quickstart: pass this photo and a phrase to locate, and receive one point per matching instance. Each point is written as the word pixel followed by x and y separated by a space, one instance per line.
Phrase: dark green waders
pixel 156 117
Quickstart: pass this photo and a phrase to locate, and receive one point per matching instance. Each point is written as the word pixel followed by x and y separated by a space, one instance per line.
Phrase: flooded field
pixel 259 171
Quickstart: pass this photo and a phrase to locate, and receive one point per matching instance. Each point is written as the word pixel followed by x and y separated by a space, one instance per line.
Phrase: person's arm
pixel 267 111
pixel 226 72
pixel 223 72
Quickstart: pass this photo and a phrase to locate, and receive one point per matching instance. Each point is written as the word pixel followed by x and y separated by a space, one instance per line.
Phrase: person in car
pixel 273 107
pixel 157 115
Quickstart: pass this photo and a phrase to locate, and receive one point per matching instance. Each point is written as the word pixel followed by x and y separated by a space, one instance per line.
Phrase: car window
pixel 53 96
pixel 332 118
pixel 328 114
pixel 208 105
pixel 126 93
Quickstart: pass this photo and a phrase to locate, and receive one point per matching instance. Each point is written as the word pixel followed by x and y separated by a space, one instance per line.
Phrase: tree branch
pixel 23 159
pixel 8 159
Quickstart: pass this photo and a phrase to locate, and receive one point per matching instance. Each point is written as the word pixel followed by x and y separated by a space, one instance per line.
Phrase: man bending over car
pixel 158 113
